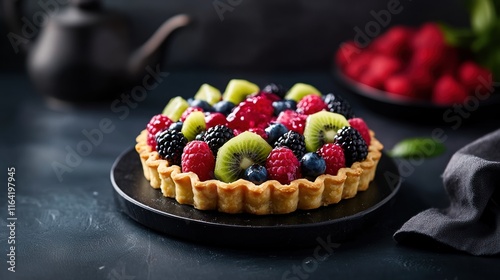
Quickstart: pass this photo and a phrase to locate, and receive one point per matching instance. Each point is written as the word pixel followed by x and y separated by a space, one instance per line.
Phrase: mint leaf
pixel 417 147
pixel 483 15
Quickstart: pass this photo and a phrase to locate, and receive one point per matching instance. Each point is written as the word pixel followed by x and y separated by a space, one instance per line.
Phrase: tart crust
pixel 270 197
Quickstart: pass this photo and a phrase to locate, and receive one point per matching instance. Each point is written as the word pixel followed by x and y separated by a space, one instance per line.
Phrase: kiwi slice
pixel 237 90
pixel 208 93
pixel 175 107
pixel 238 154
pixel 193 125
pixel 321 128
pixel 299 90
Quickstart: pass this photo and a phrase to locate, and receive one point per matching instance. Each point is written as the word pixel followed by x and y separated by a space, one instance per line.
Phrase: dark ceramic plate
pixel 417 110
pixel 337 222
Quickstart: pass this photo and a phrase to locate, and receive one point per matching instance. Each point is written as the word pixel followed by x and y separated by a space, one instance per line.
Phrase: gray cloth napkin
pixel 472 221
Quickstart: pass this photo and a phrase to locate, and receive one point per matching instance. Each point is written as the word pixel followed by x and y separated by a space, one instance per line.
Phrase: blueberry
pixel 177 126
pixel 312 165
pixel 256 174
pixel 276 89
pixel 282 105
pixel 224 107
pixel 204 105
pixel 274 131
pixel 200 136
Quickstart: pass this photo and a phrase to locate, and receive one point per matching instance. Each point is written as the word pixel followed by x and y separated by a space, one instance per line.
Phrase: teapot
pixel 82 52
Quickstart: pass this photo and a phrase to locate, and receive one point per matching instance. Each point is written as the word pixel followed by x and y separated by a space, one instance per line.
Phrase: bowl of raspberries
pixel 414 67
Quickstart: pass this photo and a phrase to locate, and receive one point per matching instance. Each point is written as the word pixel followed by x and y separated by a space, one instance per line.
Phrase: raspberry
pixel 294 141
pixel 292 120
pixel 394 42
pixel 198 158
pixel 429 58
pixel 353 144
pixel 217 136
pixel 358 65
pixel 336 104
pixel 383 66
pixel 188 111
pixel 371 80
pixel 360 125
pixel 282 165
pixel 346 52
pixel 170 144
pixel 268 95
pixel 399 85
pixel 213 119
pixel 473 76
pixel 157 124
pixel 422 81
pixel 428 35
pixel 448 91
pixel 259 131
pixel 334 158
pixel 311 104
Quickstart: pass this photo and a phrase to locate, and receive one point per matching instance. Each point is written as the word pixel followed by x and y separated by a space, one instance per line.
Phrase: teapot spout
pixel 147 54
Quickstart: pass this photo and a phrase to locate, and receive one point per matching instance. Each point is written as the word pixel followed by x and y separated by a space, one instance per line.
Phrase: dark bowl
pixel 419 110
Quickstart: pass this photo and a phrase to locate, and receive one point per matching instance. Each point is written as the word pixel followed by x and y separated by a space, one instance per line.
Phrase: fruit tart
pixel 258 151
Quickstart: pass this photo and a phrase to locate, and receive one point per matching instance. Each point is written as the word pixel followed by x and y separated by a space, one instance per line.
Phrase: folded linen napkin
pixel 472 221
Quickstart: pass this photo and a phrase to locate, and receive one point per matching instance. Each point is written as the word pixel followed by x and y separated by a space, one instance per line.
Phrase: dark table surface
pixel 69 227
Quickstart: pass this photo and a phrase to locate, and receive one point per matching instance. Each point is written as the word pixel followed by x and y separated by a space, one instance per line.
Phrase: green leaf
pixel 483 15
pixel 417 147
pixel 457 37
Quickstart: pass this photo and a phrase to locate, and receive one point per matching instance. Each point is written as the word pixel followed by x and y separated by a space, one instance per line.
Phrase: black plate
pixel 337 222
pixel 417 110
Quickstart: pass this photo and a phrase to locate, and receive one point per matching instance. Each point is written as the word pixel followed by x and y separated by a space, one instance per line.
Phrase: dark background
pixel 73 229
pixel 257 34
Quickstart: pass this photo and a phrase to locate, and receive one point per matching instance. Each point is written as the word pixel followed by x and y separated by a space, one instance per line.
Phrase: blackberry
pixel 217 136
pixel 294 141
pixel 336 104
pixel 276 89
pixel 170 144
pixel 353 144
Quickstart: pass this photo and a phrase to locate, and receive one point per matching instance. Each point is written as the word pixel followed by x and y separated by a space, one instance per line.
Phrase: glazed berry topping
pixel 198 158
pixel 353 144
pixel 170 144
pixel 216 136
pixel 282 165
pixel 334 158
pixel 294 141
